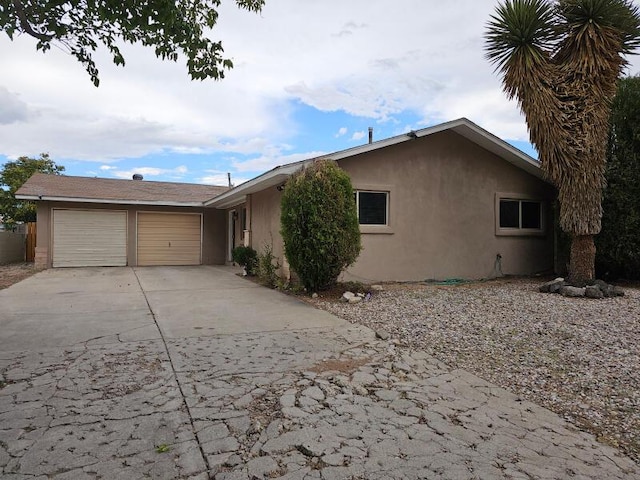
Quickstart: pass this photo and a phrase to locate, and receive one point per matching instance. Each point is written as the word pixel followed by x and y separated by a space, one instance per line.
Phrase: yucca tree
pixel 561 60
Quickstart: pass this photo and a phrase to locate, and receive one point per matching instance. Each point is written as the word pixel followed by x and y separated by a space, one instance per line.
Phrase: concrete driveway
pixel 195 373
pixel 70 307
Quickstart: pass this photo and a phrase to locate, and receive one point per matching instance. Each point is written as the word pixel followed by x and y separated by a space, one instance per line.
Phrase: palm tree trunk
pixel 582 260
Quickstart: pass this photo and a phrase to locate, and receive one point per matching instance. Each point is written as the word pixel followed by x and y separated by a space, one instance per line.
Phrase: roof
pixel 108 190
pixel 462 126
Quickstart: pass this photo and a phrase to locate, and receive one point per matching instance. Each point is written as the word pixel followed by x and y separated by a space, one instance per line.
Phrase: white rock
pixel 346 296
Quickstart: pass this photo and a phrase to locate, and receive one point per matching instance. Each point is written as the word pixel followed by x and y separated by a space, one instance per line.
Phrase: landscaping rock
pixel 377 288
pixel 569 291
pixel 555 284
pixel 618 292
pixel 593 291
pixel 346 296
pixel 355 300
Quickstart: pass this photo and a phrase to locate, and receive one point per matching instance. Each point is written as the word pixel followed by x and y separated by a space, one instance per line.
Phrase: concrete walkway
pixel 192 372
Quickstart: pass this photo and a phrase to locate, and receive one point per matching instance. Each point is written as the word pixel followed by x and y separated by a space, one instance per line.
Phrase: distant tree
pixel 619 241
pixel 320 224
pixel 170 27
pixel 12 177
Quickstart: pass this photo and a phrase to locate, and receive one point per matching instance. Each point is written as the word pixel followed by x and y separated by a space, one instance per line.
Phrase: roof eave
pixel 39 198
pixel 272 178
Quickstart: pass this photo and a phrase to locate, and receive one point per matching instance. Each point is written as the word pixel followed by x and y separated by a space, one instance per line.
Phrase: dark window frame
pixel 386 207
pixel 520 221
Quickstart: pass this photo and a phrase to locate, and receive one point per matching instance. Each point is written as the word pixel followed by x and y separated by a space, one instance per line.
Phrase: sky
pixel 310 78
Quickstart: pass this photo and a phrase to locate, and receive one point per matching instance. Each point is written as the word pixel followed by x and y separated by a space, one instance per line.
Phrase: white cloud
pixel 358 135
pixel 108 167
pixel 267 162
pixel 175 173
pixel 12 108
pixel 361 57
pixel 221 179
pixel 342 132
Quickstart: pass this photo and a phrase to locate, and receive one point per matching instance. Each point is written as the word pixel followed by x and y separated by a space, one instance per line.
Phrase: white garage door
pixel 169 239
pixel 89 238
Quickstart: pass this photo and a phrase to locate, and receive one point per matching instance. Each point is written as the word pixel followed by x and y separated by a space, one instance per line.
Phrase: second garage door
pixel 169 239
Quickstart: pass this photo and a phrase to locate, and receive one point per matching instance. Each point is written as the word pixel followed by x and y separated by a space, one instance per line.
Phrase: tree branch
pixel 24 22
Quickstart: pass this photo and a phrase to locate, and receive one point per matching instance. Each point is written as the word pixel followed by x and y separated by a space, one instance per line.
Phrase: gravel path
pixel 578 357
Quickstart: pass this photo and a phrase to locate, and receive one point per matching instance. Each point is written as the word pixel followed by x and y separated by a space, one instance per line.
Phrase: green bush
pixel 320 224
pixel 268 267
pixel 246 257
pixel 618 244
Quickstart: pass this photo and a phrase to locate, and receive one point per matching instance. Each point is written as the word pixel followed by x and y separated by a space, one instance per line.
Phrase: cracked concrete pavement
pixel 194 373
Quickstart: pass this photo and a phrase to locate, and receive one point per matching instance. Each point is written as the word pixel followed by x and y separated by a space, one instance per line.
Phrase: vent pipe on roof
pixel 137 176
pixel 229 179
pixel 370 134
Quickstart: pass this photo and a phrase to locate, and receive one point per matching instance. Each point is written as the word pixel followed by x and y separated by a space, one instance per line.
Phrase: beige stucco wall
pixel 265 222
pixel 12 247
pixel 442 212
pixel 213 243
pixel 442 218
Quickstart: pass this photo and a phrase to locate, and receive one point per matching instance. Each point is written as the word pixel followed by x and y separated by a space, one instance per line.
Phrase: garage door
pixel 169 239
pixel 87 238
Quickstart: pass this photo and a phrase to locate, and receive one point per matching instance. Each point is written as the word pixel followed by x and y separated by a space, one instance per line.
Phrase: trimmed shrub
pixel 246 257
pixel 320 224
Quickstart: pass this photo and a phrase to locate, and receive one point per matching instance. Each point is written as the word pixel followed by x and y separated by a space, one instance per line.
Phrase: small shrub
pixel 268 267
pixel 246 257
pixel 320 224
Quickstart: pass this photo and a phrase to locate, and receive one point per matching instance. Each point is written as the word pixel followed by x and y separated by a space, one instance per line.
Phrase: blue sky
pixel 310 78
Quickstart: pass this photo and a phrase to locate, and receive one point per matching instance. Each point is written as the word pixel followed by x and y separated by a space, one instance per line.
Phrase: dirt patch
pixel 348 365
pixel 16 272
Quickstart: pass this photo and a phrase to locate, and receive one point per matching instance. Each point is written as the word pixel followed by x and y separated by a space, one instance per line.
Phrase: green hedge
pixel 618 244
pixel 320 224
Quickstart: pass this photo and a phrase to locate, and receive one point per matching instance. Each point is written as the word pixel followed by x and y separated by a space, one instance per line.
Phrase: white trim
pixel 230 234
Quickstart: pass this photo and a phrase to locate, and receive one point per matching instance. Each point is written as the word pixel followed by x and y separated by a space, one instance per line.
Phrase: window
pixel 520 215
pixel 244 219
pixel 372 207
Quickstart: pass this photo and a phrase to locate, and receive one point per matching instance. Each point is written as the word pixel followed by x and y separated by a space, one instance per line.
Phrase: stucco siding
pixel 265 222
pixel 442 212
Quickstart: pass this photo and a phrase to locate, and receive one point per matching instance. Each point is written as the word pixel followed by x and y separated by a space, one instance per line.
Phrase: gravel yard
pixel 578 357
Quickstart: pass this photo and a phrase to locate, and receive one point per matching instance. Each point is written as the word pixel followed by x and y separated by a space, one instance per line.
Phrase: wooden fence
pixel 30 253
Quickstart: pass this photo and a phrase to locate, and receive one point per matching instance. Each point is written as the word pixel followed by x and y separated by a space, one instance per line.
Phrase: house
pixel 446 201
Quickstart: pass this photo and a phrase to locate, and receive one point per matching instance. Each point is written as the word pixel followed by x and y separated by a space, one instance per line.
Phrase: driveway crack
pixel 175 374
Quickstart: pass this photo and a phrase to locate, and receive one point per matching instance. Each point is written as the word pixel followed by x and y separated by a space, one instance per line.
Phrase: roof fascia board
pixel 102 201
